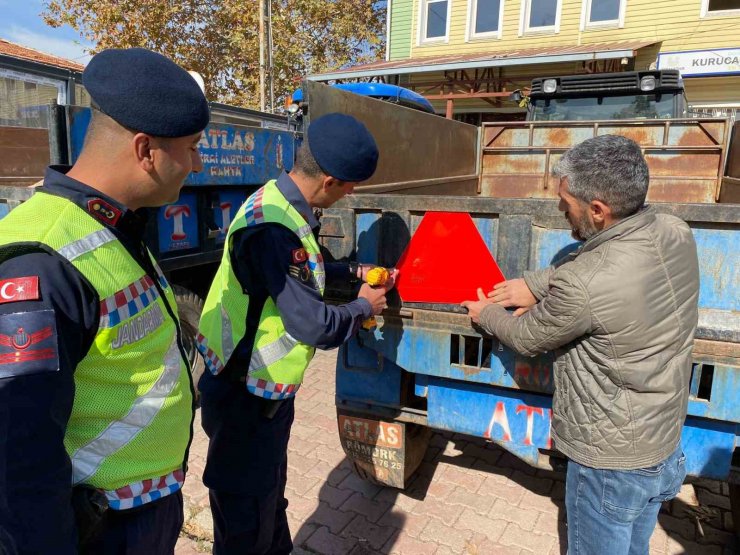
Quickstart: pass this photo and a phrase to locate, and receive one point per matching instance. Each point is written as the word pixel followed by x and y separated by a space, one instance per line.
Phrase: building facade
pixel 30 80
pixel 468 55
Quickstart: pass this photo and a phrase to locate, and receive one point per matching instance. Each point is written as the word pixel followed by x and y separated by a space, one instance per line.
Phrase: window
pixel 434 18
pixel 540 15
pixel 603 13
pixel 24 99
pixel 640 106
pixel 720 7
pixel 82 97
pixel 485 18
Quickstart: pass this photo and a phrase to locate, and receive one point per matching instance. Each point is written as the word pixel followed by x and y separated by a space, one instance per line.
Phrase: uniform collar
pixel 293 195
pixel 100 206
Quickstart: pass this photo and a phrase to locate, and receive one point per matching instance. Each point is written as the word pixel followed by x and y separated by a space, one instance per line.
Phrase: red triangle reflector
pixel 446 261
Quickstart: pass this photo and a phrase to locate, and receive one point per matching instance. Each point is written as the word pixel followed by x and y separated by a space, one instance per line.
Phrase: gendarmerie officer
pixel 96 400
pixel 262 321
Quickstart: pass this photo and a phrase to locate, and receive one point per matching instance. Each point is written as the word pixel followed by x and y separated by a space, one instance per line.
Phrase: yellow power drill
pixel 376 277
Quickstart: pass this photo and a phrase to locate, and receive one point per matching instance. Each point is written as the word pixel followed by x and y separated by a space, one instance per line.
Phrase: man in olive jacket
pixel 620 314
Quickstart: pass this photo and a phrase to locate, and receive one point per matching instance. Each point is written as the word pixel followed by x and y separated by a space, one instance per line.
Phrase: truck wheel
pixel 383 452
pixel 189 307
pixel 735 507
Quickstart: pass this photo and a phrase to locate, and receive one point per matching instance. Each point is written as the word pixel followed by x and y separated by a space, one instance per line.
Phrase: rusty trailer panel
pixel 420 153
pixel 24 155
pixel 686 157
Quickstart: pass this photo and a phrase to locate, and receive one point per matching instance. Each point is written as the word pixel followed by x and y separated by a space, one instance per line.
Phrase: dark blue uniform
pixel 247 455
pixel 36 398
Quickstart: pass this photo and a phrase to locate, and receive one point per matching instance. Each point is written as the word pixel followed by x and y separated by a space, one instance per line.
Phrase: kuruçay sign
pixel 724 61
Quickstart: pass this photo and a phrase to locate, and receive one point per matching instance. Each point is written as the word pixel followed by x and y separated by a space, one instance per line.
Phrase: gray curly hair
pixel 609 168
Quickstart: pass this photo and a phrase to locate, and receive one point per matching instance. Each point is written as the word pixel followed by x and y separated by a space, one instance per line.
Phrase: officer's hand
pixel 375 296
pixel 513 292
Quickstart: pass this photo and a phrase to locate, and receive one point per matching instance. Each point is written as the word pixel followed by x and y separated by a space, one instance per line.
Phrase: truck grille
pixel 583 83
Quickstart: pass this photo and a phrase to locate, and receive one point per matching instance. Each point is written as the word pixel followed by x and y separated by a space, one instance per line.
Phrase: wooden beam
pixel 501 94
pixel 450 108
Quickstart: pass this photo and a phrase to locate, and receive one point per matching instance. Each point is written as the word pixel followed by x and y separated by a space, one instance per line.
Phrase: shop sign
pixel 700 63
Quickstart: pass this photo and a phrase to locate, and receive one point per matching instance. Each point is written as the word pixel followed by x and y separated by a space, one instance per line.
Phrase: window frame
pixel 587 25
pixel 422 38
pixel 705 13
pixel 470 33
pixel 525 29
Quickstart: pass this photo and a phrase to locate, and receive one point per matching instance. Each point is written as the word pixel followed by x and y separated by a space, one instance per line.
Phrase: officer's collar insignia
pixel 103 211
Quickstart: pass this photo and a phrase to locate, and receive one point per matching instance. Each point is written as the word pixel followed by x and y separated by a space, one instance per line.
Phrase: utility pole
pixel 262 54
pixel 269 56
pixel 265 29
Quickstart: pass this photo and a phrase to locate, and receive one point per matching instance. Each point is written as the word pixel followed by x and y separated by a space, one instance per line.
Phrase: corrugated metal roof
pixel 14 50
pixel 489 59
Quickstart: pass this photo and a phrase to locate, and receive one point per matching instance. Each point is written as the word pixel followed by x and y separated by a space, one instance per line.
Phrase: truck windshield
pixel 640 106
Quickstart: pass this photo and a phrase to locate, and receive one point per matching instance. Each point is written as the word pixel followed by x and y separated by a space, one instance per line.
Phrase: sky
pixel 22 24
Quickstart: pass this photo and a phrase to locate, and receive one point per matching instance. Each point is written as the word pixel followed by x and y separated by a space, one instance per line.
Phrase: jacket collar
pixel 100 206
pixel 642 218
pixel 293 195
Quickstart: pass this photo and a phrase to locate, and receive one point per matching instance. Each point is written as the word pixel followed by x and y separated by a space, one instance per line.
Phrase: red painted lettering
pixel 531 411
pixel 499 417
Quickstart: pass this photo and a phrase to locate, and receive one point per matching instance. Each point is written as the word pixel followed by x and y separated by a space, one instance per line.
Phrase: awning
pixel 524 56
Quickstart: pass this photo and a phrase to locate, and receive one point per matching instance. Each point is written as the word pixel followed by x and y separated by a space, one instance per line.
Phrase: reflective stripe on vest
pixel 88 458
pixel 86 244
pixel 226 307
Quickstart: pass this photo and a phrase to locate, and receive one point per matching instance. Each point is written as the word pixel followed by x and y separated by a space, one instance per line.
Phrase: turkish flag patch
pixel 19 289
pixel 299 255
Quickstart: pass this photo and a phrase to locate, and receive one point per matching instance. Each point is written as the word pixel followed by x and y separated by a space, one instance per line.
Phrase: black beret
pixel 147 92
pixel 343 147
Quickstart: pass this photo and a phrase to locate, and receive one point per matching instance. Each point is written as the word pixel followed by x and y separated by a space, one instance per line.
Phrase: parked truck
pixel 241 149
pixel 424 367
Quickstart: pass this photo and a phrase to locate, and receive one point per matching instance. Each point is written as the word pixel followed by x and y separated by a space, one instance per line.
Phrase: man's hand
pixel 376 295
pixel 513 292
pixel 476 307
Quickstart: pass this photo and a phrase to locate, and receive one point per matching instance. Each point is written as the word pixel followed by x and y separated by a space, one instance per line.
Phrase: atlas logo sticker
pixel 176 212
pixel 19 289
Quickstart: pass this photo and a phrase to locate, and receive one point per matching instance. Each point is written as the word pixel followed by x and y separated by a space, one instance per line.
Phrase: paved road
pixel 469 497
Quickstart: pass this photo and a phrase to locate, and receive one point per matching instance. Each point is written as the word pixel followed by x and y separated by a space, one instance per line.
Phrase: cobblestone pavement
pixel 469 497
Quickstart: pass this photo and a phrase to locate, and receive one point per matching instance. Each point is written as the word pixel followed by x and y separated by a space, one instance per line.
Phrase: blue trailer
pixel 425 367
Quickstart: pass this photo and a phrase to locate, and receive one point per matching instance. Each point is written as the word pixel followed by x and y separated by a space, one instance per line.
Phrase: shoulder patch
pixel 28 343
pixel 19 289
pixel 301 273
pixel 299 255
pixel 103 211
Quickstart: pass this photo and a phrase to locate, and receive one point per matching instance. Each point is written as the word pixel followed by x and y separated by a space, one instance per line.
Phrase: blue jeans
pixel 614 512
